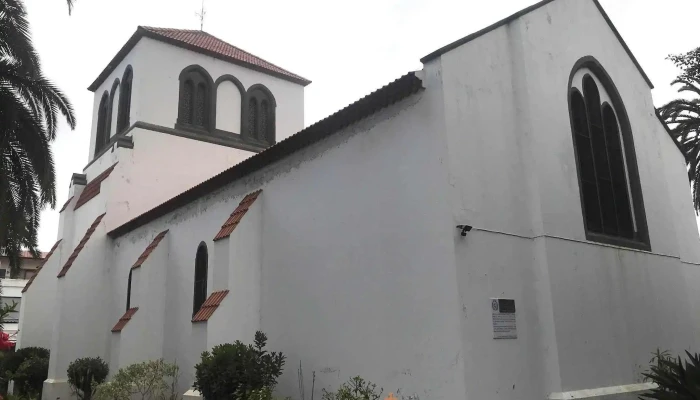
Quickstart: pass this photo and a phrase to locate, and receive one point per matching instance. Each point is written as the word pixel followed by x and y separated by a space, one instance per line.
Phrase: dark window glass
pixel 259 121
pixel 602 172
pixel 200 105
pixel 200 278
pixel 125 100
pixel 128 292
pixel 253 118
pixel 101 136
pixel 264 115
pixel 186 102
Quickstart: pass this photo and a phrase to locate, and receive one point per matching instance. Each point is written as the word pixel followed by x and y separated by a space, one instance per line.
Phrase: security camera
pixel 464 229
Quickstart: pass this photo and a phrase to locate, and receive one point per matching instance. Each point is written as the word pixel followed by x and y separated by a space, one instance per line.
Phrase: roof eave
pixel 437 53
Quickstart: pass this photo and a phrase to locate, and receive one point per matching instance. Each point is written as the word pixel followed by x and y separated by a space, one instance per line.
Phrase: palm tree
pixel 682 116
pixel 29 109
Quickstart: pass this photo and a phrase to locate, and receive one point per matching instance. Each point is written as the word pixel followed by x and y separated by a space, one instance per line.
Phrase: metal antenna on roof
pixel 201 15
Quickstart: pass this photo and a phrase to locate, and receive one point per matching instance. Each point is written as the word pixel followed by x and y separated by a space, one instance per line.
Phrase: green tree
pixel 683 115
pixel 30 105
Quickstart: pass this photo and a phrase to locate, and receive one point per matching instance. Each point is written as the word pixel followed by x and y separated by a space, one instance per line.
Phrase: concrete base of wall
pixel 622 392
pixel 192 395
pixel 55 389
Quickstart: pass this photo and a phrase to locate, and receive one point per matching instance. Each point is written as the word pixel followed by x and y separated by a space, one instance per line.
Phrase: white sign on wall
pixel 503 319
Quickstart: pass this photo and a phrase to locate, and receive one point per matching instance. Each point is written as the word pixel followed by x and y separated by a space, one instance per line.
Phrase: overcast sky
pixel 347 49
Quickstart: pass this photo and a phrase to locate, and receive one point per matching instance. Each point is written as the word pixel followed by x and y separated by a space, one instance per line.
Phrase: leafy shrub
pixel 354 389
pixel 675 379
pixel 12 361
pixel 238 371
pixel 30 376
pixel 28 367
pixel 84 374
pixel 149 380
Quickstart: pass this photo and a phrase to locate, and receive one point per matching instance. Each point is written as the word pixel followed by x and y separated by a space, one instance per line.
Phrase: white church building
pixel 512 221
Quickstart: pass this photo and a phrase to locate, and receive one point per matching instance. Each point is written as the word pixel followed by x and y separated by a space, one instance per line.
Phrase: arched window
pixel 128 291
pixel 196 104
pixel 112 114
pixel 260 119
pixel 611 198
pixel 200 277
pixel 102 132
pixel 125 100
pixel 253 118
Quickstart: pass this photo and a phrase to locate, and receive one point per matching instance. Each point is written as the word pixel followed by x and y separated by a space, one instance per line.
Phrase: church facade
pixel 512 221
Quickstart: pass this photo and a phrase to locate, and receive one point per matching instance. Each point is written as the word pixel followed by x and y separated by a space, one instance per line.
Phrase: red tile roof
pixel 237 215
pixel 149 249
pixel 46 258
pixel 124 319
pixel 200 42
pixel 209 306
pixel 66 204
pixel 80 246
pixel 92 189
pixel 26 254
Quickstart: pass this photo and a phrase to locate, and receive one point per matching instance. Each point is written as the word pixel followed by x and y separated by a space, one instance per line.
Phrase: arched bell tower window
pixel 102 131
pixel 195 104
pixel 125 100
pixel 201 265
pixel 611 196
pixel 259 121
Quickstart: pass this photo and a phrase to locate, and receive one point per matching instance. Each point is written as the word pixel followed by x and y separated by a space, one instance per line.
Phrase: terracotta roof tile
pixel 237 215
pixel 80 246
pixel 209 306
pixel 66 204
pixel 124 319
pixel 26 254
pixel 92 189
pixel 206 41
pixel 200 42
pixel 46 258
pixel 149 249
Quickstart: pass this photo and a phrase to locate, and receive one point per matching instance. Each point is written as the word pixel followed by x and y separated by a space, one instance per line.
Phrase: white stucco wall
pixel 513 177
pixel 350 261
pixel 169 163
pixel 228 107
pixel 324 266
pixel 155 86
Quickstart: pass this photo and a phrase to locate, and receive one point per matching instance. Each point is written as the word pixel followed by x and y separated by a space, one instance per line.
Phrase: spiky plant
pixel 29 110
pixel 682 116
pixel 676 380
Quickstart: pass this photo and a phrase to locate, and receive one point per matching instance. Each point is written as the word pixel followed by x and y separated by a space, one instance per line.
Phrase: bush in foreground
pixel 84 374
pixel 676 380
pixel 239 371
pixel 149 380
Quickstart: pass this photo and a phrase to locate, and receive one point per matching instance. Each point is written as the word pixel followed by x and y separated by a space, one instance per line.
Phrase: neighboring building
pixel 28 267
pixel 11 289
pixel 519 186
